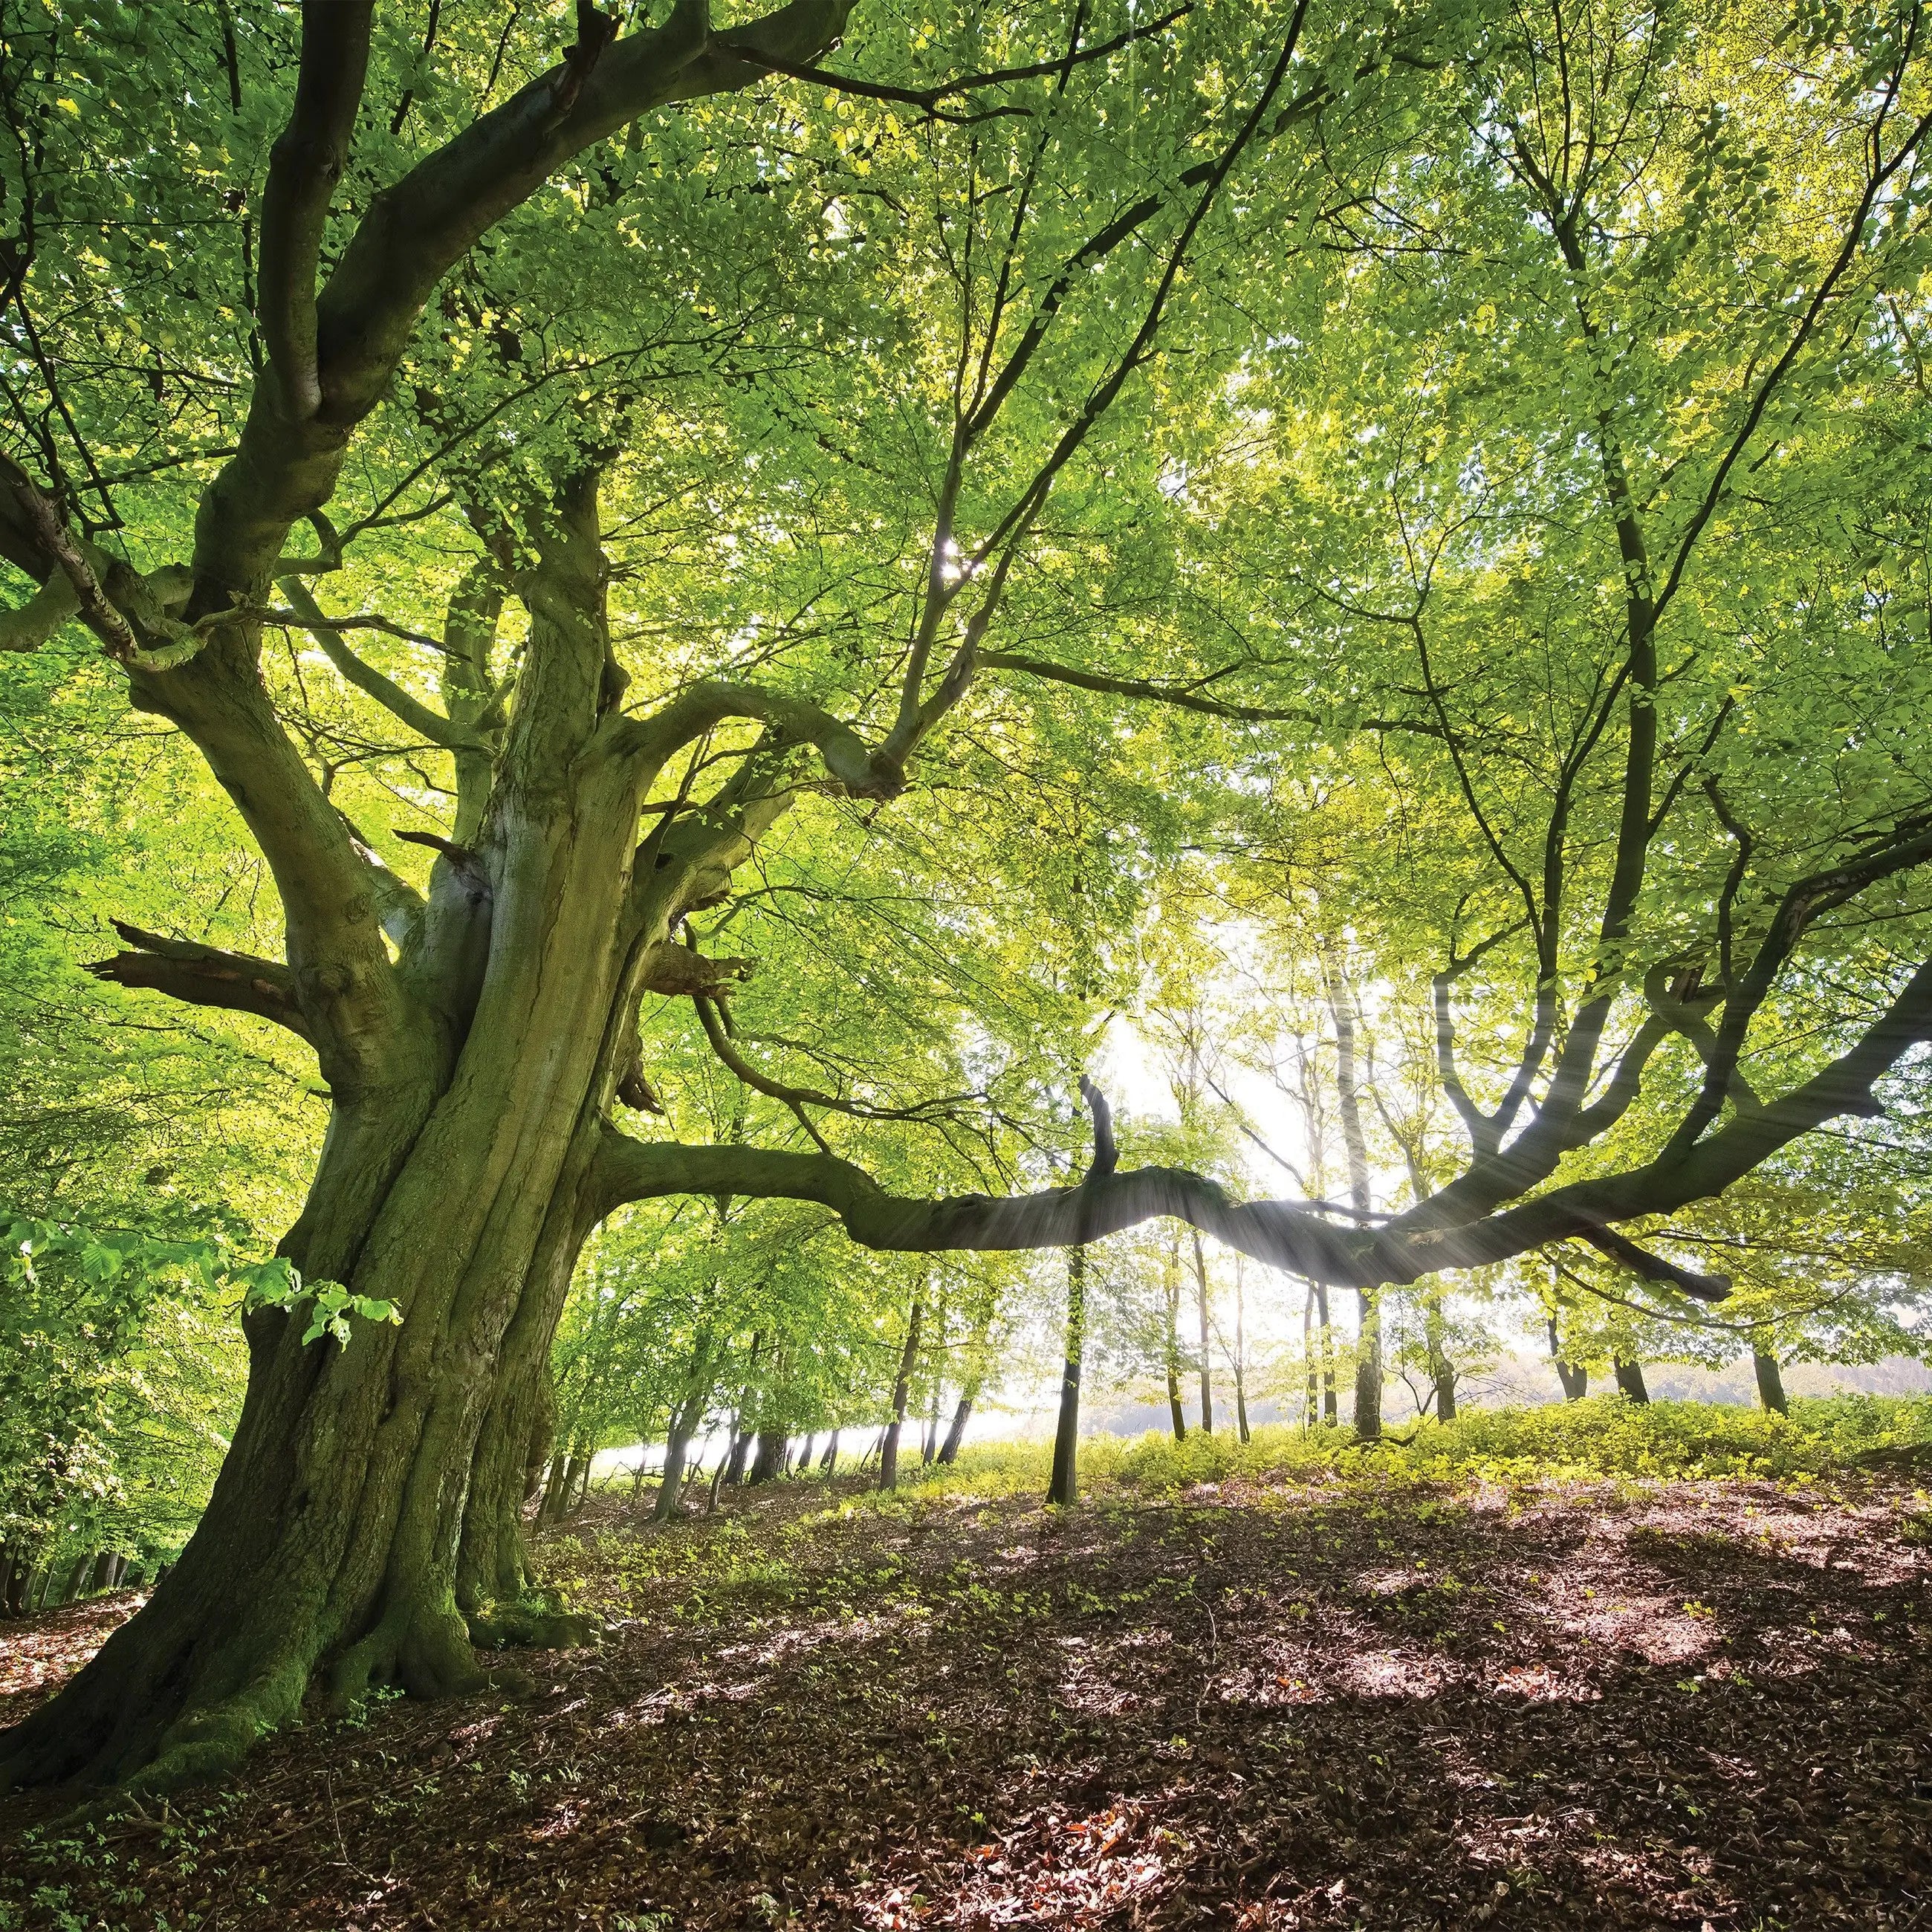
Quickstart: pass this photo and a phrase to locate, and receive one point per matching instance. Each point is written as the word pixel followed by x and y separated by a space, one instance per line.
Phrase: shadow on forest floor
pixel 1706 1704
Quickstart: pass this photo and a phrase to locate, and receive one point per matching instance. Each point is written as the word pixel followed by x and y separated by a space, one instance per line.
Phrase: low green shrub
pixel 1605 1436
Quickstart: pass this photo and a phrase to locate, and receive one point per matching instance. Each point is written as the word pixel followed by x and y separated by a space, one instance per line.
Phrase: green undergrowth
pixel 1605 1436
pixel 777 1549
pixel 748 1554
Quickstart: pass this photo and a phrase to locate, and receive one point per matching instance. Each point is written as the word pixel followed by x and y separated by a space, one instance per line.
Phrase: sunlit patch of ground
pixel 38 1653
pixel 1321 1706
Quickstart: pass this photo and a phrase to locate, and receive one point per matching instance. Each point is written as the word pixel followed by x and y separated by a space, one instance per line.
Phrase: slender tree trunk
pixel 1329 1414
pixel 1369 1371
pixel 889 1453
pixel 741 1446
pixel 1201 1307
pixel 1240 1348
pixel 831 1462
pixel 563 1485
pixel 930 1449
pixel 1630 1380
pixel 955 1435
pixel 1311 1389
pixel 1576 1381
pixel 974 1369
pixel 1062 1489
pixel 1770 1383
pixel 741 1428
pixel 684 1421
pixel 1171 1285
pixel 1435 1340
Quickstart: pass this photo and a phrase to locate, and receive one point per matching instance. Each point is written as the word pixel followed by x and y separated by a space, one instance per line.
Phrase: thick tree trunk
pixel 1770 1383
pixel 1206 1359
pixel 1063 1487
pixel 1630 1380
pixel 468 1087
pixel 889 1450
pixel 768 1465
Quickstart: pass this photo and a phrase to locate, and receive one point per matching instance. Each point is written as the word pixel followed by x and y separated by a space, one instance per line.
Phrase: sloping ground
pixel 1314 1704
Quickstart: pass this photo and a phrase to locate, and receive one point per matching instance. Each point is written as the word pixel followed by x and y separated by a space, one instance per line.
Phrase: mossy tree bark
pixel 365 1524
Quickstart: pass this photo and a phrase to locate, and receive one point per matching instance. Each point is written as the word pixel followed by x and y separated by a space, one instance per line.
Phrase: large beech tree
pixel 480 1038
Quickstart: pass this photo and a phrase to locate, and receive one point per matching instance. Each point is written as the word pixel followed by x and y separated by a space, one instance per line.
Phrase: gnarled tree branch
pixel 205 976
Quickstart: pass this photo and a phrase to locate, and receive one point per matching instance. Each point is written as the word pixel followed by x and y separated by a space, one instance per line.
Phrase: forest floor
pixel 1297 1700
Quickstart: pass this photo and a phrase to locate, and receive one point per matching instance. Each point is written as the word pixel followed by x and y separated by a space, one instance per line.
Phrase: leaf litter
pixel 1703 1704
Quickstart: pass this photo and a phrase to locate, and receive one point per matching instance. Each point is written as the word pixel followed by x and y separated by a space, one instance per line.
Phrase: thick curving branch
pixel 863 771
pixel 305 166
pixel 1287 1235
pixel 415 230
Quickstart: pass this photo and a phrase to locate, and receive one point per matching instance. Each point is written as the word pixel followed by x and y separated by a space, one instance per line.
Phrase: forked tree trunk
pixel 370 1495
pixel 684 1422
pixel 1576 1381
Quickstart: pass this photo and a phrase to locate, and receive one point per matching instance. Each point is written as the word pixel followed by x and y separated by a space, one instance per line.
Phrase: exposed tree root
pixel 422 1648
pixel 531 1624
